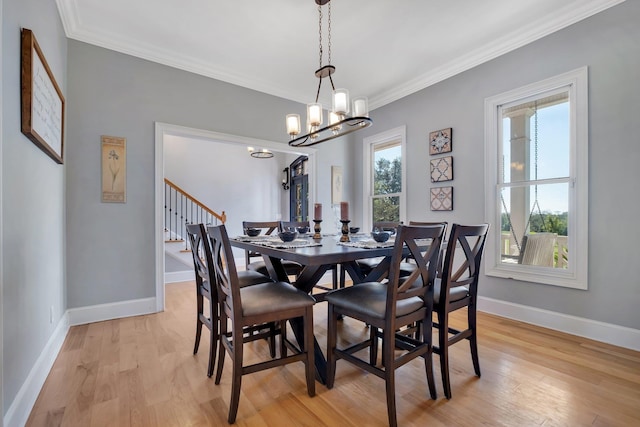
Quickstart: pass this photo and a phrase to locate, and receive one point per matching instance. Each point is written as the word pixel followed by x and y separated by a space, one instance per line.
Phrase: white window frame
pixel 398 134
pixel 576 276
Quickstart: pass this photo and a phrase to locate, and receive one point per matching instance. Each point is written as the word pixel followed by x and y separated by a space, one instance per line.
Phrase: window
pixel 537 182
pixel 384 180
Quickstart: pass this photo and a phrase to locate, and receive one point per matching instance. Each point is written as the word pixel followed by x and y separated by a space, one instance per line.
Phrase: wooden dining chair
pixel 388 307
pixel 206 290
pixel 292 268
pixel 457 288
pixel 256 305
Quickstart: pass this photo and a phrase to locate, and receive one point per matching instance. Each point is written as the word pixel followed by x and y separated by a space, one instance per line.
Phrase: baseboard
pixel 116 310
pixel 21 407
pixel 599 331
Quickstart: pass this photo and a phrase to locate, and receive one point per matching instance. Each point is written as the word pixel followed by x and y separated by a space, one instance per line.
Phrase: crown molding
pixel 535 30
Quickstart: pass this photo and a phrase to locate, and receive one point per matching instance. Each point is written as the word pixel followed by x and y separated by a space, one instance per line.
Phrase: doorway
pixel 164 130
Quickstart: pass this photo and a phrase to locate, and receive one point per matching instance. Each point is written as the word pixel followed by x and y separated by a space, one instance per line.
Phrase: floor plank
pixel 140 371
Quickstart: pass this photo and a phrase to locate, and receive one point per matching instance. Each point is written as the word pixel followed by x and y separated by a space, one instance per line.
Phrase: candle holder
pixel 345 230
pixel 316 228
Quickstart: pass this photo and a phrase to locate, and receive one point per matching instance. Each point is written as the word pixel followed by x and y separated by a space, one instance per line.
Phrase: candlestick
pixel 345 231
pixel 344 211
pixel 317 212
pixel 316 228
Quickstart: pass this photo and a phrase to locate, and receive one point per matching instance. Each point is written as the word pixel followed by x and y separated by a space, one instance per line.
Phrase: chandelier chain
pixel 320 36
pixel 329 35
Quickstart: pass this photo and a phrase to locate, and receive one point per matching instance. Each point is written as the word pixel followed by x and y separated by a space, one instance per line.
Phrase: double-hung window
pixel 536 180
pixel 384 171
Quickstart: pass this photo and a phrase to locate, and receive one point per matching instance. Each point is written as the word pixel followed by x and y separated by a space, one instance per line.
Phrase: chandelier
pixel 341 120
pixel 260 154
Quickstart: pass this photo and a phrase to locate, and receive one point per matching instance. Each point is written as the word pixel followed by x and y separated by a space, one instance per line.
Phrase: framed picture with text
pixel 42 102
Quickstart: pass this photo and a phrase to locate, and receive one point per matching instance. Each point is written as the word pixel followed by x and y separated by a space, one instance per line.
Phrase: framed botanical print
pixel 442 169
pixel 114 169
pixel 440 141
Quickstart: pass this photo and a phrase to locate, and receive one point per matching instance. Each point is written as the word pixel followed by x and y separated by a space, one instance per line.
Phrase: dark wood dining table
pixel 316 260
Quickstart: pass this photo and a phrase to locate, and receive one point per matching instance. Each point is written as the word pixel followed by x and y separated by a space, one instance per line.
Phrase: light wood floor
pixel 140 371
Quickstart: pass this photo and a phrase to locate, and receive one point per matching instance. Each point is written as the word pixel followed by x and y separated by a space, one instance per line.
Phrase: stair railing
pixel 181 208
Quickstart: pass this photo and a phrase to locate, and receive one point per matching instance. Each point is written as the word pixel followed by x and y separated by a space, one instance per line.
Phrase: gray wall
pixel 110 246
pixel 33 203
pixel 609 44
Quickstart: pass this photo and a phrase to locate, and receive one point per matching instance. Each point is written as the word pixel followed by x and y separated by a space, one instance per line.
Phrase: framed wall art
pixel 442 169
pixel 440 141
pixel 42 102
pixel 442 198
pixel 336 184
pixel 114 169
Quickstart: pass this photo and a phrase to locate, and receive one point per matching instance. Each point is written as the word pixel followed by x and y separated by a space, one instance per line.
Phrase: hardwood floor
pixel 140 371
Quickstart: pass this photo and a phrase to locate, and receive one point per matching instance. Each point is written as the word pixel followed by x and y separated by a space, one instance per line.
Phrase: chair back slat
pixel 463 253
pixel 420 281
pixel 201 252
pixel 225 269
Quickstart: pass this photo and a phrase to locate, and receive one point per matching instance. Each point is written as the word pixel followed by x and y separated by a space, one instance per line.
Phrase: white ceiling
pixel 383 49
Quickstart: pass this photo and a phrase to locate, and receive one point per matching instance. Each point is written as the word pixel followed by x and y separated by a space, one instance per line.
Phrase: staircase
pixel 181 209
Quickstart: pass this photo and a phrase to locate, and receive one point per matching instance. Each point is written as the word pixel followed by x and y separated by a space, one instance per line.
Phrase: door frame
pixel 166 129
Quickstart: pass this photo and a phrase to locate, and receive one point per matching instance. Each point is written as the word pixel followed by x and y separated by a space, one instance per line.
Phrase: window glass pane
pixel 386 208
pixel 534 225
pixel 387 169
pixel 536 139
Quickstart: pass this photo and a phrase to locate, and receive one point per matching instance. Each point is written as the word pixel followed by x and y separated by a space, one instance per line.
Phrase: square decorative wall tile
pixel 442 169
pixel 442 199
pixel 440 141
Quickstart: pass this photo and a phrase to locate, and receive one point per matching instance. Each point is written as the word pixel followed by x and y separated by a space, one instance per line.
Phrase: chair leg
pixel 473 339
pixel 272 339
pixel 443 343
pixel 334 276
pixel 373 349
pixel 199 310
pixel 388 345
pixel 213 337
pixel 222 351
pixel 332 331
pixel 283 339
pixel 428 358
pixel 310 367
pixel 236 380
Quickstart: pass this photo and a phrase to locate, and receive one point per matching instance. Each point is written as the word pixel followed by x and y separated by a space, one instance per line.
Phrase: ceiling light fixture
pixel 261 154
pixel 340 121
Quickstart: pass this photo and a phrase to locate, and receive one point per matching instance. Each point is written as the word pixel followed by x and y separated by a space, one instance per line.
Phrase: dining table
pixel 317 256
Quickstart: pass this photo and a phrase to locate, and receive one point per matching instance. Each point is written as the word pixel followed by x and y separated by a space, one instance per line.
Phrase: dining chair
pixel 457 288
pixel 286 225
pixel 206 289
pixel 387 307
pixel 292 268
pixel 255 305
pixel 368 264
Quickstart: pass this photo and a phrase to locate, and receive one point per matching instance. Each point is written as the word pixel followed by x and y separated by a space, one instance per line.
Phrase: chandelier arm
pixel 352 124
pixel 331 80
pixel 318 92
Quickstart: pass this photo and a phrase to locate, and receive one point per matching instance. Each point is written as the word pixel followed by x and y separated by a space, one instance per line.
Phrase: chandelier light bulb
pixel 341 101
pixel 314 114
pixel 361 107
pixel 293 124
